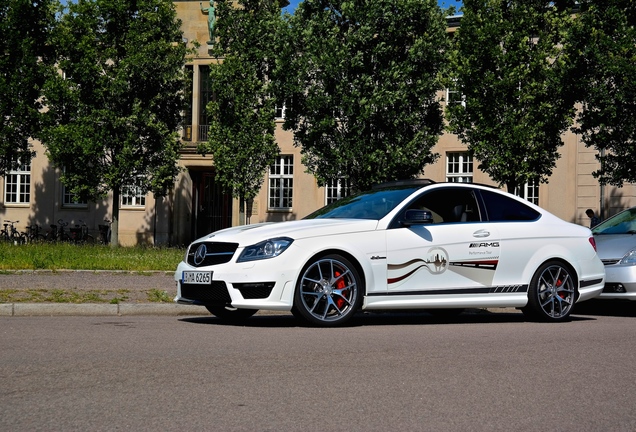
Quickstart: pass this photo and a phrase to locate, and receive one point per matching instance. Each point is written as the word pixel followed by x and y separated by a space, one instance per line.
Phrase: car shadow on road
pixel 617 308
pixel 389 318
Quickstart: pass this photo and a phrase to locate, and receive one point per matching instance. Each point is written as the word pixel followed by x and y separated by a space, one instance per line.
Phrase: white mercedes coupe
pixel 403 245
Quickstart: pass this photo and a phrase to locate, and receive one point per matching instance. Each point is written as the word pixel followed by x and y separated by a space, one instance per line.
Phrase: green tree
pixel 25 56
pixel 603 48
pixel 509 67
pixel 114 112
pixel 360 79
pixel 241 135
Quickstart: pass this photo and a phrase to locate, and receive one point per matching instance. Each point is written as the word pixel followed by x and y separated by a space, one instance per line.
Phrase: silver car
pixel 616 246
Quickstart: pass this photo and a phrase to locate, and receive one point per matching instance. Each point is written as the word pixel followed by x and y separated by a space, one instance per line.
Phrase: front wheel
pixel 230 314
pixel 552 293
pixel 328 292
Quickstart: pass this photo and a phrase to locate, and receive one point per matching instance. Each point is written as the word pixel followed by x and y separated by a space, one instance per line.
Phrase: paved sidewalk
pixel 136 284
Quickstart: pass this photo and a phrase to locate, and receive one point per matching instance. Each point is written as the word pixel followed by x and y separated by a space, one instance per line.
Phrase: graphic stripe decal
pixel 463 291
pixel 400 278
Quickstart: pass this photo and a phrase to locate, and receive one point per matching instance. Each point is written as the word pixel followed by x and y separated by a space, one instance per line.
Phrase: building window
pixel 69 199
pixel 529 191
pixel 455 96
pixel 17 185
pixel 279 112
pixel 132 196
pixel 188 99
pixel 336 189
pixel 205 96
pixel 459 167
pixel 281 182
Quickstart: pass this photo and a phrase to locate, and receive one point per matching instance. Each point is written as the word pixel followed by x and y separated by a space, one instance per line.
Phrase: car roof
pixel 426 182
pixel 403 183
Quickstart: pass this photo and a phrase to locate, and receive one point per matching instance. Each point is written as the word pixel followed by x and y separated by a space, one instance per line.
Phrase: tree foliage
pixel 241 135
pixel 359 79
pixel 114 112
pixel 603 49
pixel 25 57
pixel 508 64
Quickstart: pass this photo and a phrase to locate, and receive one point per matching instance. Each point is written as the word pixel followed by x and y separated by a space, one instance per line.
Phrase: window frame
pixel 458 98
pixel 529 191
pixel 137 195
pixel 342 189
pixel 464 165
pixel 22 188
pixel 280 187
pixel 279 109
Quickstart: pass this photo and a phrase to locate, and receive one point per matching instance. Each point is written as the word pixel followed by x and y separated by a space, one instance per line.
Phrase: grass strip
pixel 57 256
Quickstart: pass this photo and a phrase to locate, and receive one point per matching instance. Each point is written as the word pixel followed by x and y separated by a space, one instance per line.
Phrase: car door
pixel 456 253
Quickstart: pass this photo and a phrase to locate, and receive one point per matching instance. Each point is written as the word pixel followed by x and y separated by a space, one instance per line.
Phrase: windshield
pixel 367 205
pixel 622 223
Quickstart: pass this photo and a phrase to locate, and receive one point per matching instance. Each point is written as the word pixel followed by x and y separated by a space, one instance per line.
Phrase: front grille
pixel 210 253
pixel 216 292
pixel 255 290
pixel 610 261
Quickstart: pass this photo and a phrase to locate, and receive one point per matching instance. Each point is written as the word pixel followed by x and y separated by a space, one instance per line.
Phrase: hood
pixel 305 228
pixel 614 246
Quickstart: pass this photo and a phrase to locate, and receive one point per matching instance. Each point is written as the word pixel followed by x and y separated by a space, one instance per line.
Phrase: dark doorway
pixel 211 207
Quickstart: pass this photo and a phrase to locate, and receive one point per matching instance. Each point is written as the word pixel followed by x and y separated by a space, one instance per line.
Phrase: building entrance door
pixel 211 207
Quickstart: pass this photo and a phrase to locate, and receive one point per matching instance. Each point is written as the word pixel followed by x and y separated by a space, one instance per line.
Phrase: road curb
pixel 92 309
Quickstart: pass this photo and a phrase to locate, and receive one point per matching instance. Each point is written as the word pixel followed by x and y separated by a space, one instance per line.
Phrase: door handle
pixel 481 233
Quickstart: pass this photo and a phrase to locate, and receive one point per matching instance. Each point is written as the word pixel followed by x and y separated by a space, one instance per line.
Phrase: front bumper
pixel 620 282
pixel 256 285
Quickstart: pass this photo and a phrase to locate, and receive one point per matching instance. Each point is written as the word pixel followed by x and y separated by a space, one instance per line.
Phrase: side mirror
pixel 417 217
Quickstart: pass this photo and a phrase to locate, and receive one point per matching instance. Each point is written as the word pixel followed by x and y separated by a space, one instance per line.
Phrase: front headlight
pixel 629 258
pixel 265 249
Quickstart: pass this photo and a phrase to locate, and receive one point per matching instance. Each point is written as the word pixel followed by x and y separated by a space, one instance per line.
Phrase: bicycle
pixel 5 234
pixel 10 233
pixel 80 235
pixel 57 232
pixel 105 232
pixel 33 234
pixel 61 234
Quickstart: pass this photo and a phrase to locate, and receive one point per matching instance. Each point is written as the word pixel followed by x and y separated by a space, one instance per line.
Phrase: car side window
pixel 500 208
pixel 449 205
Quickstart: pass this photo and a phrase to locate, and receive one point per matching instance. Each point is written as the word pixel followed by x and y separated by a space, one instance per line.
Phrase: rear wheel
pixel 231 314
pixel 328 292
pixel 552 293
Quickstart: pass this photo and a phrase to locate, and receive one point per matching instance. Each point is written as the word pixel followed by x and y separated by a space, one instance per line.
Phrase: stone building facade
pixel 34 195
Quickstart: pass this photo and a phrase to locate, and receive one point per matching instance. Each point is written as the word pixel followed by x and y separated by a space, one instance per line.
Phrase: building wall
pixel 171 220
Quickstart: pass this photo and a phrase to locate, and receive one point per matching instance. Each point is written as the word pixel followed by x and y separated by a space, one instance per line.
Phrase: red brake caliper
pixel 559 282
pixel 340 302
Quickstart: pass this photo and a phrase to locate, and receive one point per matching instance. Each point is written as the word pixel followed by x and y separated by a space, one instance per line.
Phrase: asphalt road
pixel 389 372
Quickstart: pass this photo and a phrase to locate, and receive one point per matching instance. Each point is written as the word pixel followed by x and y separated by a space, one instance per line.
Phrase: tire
pixel 552 293
pixel 328 292
pixel 230 314
pixel 89 239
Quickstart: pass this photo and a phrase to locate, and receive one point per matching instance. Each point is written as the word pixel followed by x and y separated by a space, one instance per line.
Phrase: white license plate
pixel 196 277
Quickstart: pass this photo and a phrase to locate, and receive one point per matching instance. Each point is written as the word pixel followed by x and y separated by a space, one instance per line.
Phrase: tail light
pixel 593 243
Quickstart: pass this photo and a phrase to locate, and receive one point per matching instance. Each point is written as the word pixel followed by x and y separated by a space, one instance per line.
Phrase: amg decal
pixel 484 245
